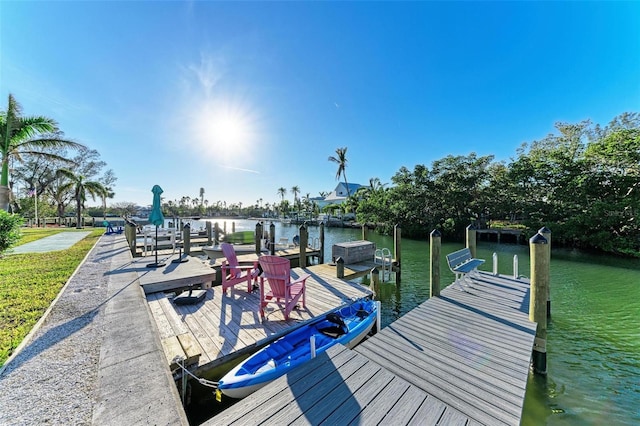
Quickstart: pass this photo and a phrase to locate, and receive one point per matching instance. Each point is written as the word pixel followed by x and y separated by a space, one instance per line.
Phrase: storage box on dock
pixel 354 251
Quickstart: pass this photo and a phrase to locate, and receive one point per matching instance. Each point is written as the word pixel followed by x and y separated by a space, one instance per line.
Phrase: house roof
pixel 340 193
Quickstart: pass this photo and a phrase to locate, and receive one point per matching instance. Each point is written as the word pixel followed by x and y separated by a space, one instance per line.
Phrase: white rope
pixel 179 361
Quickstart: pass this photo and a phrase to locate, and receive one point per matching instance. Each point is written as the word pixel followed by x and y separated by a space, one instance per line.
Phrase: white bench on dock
pixel 461 263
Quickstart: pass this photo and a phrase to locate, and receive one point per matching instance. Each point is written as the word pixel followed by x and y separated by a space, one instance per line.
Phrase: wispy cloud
pixel 202 77
pixel 239 169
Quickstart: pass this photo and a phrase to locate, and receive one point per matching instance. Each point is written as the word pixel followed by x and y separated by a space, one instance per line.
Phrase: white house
pixel 339 195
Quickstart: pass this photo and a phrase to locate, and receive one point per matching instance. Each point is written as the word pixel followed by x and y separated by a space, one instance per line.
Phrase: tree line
pixel 582 182
pixel 38 163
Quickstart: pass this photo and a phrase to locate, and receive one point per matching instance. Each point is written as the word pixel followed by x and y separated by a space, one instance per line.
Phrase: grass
pixel 29 283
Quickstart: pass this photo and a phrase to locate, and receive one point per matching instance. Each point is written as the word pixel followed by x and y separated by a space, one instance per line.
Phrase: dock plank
pixel 461 358
pixel 227 326
pixel 470 349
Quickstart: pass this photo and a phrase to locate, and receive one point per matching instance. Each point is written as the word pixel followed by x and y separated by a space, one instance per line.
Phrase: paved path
pixel 95 358
pixel 60 241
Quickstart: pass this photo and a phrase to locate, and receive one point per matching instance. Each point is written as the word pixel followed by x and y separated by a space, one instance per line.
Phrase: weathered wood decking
pixel 461 358
pixel 229 325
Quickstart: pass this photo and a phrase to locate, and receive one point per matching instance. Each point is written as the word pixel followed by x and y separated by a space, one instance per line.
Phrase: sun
pixel 230 129
pixel 225 129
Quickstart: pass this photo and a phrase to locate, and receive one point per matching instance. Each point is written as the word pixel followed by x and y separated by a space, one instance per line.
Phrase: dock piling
pixel 434 263
pixel 375 282
pixel 186 239
pixel 258 238
pixel 340 267
pixel 397 236
pixel 538 300
pixel 304 239
pixel 209 233
pixel 471 239
pixel 130 234
pixel 546 232
pixel 321 258
pixel 272 239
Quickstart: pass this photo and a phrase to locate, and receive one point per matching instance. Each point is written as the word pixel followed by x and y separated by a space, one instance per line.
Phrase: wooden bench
pixel 462 264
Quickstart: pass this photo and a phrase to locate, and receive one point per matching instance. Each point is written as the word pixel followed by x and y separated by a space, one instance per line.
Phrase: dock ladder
pixel 383 258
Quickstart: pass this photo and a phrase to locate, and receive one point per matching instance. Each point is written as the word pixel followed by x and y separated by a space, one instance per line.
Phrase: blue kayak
pixel 347 326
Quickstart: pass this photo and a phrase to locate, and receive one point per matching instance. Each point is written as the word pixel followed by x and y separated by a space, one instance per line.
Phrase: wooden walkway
pixel 461 358
pixel 223 327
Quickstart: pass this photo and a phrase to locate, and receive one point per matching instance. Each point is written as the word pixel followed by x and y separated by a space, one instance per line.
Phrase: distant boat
pixel 347 326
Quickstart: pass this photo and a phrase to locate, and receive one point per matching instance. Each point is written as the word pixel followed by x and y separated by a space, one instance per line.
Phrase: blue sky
pixel 242 98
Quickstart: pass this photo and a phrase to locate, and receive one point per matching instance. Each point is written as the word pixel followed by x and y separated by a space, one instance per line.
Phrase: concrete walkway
pixel 60 241
pixel 95 357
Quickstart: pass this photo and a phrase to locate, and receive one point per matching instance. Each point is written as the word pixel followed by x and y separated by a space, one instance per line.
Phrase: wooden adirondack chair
pixel 277 271
pixel 233 273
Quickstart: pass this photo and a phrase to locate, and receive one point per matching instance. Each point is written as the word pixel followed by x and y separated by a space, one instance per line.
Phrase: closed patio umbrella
pixel 157 219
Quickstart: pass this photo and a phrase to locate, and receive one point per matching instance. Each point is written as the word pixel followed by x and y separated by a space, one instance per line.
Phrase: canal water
pixel 593 345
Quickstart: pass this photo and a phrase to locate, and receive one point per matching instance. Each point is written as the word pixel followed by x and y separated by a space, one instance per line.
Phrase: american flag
pixel 31 192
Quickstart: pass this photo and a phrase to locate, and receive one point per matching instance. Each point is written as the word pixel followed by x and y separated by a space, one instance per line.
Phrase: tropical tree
pixel 282 192
pixel 21 136
pixel 81 187
pixel 296 190
pixel 107 181
pixel 341 160
pixel 125 208
pixel 201 196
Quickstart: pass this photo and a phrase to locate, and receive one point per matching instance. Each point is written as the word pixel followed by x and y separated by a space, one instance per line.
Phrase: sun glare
pixel 225 132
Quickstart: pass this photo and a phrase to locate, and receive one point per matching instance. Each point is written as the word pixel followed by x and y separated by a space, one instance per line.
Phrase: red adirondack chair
pixel 233 273
pixel 277 272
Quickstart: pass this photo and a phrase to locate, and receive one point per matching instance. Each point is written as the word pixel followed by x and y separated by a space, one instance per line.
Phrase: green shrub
pixel 9 230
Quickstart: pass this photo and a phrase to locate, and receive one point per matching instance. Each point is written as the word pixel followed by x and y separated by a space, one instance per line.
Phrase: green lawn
pixel 29 283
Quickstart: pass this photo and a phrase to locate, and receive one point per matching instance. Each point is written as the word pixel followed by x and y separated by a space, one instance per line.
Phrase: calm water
pixel 593 336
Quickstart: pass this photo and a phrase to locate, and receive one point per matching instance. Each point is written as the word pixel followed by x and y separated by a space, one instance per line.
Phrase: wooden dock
pixel 461 358
pixel 172 275
pixel 223 327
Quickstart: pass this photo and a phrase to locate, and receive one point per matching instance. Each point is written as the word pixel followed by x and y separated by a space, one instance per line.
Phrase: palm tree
pixel 25 136
pixel 282 192
pixel 296 190
pixel 107 193
pixel 341 159
pixel 201 195
pixel 81 187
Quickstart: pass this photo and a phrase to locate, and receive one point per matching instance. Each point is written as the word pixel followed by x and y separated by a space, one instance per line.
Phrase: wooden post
pixel 340 267
pixel 364 232
pixel 304 239
pixel 258 238
pixel 186 239
pixel 375 282
pixel 209 236
pixel 321 258
pixel 233 227
pixel 546 232
pixel 130 234
pixel 397 237
pixel 216 234
pixel 471 239
pixel 272 239
pixel 538 300
pixel 434 264
pixel 224 227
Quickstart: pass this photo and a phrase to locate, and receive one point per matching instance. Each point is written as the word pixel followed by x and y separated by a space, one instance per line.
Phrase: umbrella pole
pixel 156 264
pixel 156 245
